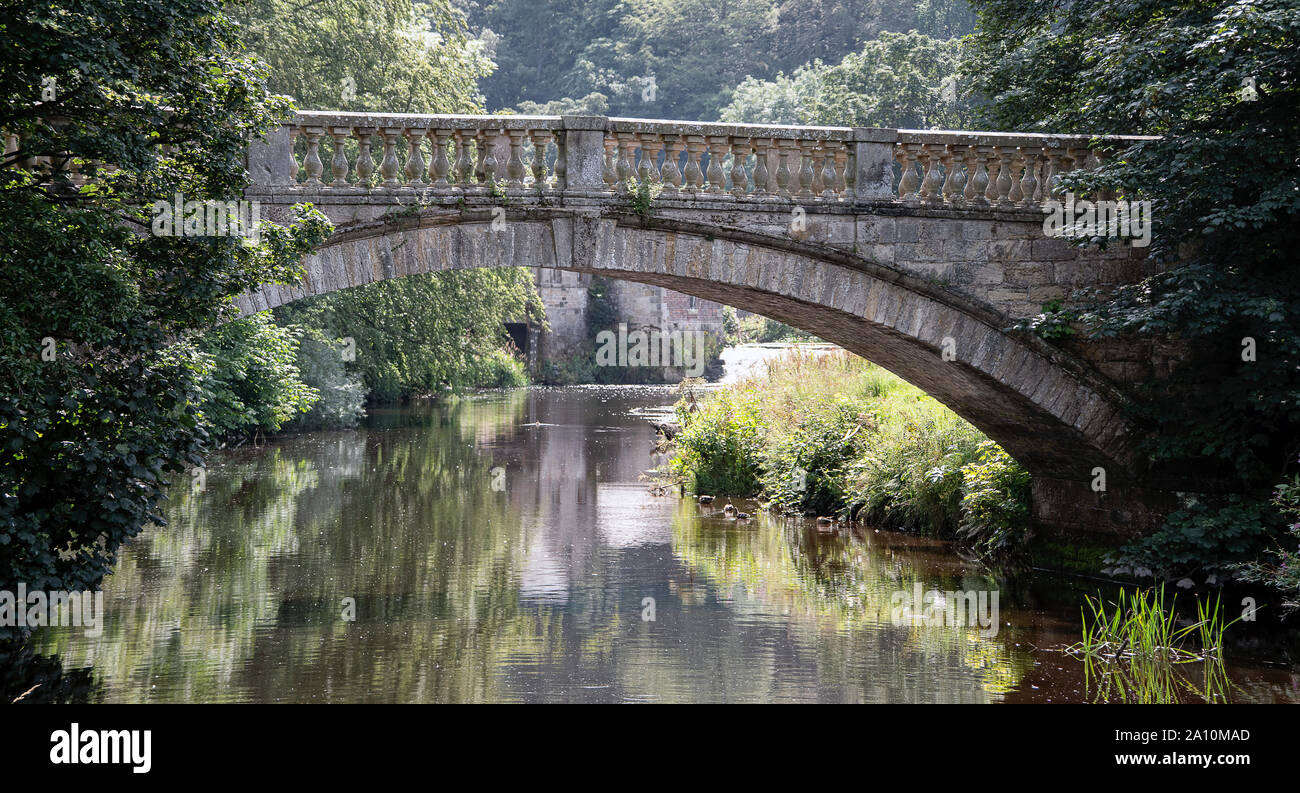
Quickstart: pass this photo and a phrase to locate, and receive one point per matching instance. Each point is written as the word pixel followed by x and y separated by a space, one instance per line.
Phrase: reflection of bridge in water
pixel 807 225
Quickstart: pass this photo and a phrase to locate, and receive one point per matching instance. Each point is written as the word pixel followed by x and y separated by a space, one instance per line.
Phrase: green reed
pixel 1133 649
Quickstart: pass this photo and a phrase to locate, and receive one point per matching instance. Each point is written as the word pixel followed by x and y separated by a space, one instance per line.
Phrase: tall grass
pixel 832 433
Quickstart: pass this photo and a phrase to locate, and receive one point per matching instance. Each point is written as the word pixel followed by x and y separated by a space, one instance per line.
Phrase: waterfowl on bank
pixel 705 499
pixel 742 516
pixel 729 510
pixel 825 525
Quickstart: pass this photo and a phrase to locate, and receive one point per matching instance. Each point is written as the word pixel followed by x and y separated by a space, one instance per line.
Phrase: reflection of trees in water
pixel 40 679
pixel 211 606
pixel 836 593
pixel 466 593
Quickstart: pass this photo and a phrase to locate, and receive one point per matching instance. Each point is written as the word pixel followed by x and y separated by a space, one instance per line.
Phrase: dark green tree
pixel 1217 80
pixel 97 378
pixel 904 80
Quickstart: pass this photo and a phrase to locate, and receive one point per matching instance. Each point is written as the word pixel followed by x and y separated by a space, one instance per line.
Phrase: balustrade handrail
pixel 329 118
pixel 323 118
pixel 478 153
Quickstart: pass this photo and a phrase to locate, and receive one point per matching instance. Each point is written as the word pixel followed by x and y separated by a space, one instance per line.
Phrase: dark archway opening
pixel 519 337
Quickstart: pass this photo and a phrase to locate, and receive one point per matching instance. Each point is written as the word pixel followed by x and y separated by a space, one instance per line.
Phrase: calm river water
pixel 502 548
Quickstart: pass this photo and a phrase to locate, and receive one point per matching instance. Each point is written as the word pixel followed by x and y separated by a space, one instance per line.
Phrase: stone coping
pixel 427 121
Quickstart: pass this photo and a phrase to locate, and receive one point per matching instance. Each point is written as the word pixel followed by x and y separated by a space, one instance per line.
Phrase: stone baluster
pixel 842 173
pixel 784 173
pixel 311 162
pixel 997 174
pixel 806 175
pixel 907 155
pixel 817 186
pixel 717 177
pixel 954 180
pixel 491 168
pixel 932 184
pixel 1043 189
pixel 740 149
pixel 440 165
pixel 541 139
pixel 850 171
pixel 978 181
pixel 611 161
pixel 695 145
pixel 389 167
pixel 1055 167
pixel 1007 156
pixel 1014 196
pixel 672 177
pixel 480 156
pixel 561 162
pixel 640 160
pixel 648 169
pixel 339 162
pixel 463 169
pixel 1029 182
pixel 625 171
pixel 415 157
pixel 515 163
pixel 365 161
pixel 762 178
pixel 828 170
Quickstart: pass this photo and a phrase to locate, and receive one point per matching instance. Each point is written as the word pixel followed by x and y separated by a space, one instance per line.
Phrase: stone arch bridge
pixel 897 245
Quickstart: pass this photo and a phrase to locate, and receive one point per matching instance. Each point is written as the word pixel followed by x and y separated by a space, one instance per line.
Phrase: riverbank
pixel 834 435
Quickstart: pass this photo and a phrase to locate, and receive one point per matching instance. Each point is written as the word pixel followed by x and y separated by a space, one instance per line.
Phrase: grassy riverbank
pixel 835 435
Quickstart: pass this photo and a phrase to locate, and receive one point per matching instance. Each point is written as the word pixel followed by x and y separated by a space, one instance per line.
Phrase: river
pixel 505 547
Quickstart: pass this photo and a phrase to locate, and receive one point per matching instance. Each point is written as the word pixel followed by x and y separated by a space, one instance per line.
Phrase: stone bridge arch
pixel 884 241
pixel 1051 411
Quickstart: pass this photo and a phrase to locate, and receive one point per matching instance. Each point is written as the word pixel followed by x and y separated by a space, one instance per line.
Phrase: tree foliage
pixel 412 335
pixel 253 384
pixel 97 383
pixel 393 56
pixel 1217 81
pixel 906 80
pixel 680 58
pixel 421 334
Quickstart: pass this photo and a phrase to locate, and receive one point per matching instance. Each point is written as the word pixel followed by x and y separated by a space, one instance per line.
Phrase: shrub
pixel 910 476
pixel 808 468
pixel 835 434
pixel 498 369
pixel 253 384
pixel 1280 566
pixel 342 394
pixel 718 449
pixel 995 501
